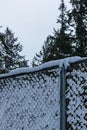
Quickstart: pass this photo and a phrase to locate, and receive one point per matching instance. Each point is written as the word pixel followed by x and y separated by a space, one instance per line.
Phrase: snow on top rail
pixel 66 62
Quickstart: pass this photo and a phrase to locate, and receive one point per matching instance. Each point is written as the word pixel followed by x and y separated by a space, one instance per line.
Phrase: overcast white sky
pixel 31 21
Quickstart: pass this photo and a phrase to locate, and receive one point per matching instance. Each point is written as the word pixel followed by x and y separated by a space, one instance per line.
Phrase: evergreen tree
pixel 48 49
pixel 2 50
pixel 46 53
pixel 79 18
pixel 63 36
pixel 11 58
pixel 58 46
pixel 37 59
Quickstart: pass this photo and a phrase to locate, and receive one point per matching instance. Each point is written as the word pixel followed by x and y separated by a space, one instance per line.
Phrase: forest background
pixel 69 39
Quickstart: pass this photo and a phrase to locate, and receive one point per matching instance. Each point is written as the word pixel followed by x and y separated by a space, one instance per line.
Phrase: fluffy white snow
pixel 30 101
pixel 66 62
pixel 76 96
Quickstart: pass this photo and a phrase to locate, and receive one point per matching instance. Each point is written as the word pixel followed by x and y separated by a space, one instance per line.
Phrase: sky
pixel 31 21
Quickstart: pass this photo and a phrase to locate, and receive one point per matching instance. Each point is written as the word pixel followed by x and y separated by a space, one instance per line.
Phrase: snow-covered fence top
pixel 59 63
pixel 31 98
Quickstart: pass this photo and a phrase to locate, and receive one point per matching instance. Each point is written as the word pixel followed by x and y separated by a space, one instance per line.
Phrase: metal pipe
pixel 62 99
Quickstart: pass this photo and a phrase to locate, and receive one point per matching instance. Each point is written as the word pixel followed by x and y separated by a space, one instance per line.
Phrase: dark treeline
pixel 70 38
pixel 10 49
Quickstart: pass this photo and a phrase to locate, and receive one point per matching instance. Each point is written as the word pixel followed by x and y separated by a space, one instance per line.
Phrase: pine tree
pixel 79 18
pixel 63 36
pixel 37 59
pixel 46 53
pixel 59 45
pixel 2 51
pixel 48 49
pixel 12 58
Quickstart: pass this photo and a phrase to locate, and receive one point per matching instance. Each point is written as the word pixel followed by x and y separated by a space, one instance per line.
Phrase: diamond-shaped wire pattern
pixel 30 101
pixel 76 98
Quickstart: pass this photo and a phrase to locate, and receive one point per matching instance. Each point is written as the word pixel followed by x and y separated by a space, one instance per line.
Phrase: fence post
pixel 62 99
